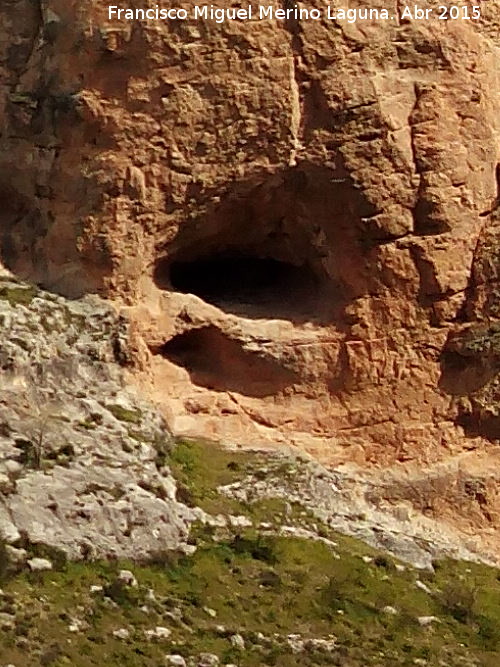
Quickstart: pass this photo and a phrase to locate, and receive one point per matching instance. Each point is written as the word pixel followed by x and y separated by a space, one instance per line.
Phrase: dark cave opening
pixel 244 283
pixel 251 279
pixel 216 361
pixel 279 246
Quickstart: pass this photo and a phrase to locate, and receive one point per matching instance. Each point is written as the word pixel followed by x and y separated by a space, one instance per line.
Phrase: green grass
pixel 255 583
pixel 22 296
pixel 201 467
pixel 274 585
pixel 125 415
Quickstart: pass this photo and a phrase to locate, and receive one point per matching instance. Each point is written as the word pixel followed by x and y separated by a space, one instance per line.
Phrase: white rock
pixel 423 587
pixel 210 612
pixel 218 521
pixel 96 589
pixel 159 632
pixel 392 611
pixel 187 549
pixel 170 487
pixel 127 577
pixel 237 642
pixel 321 644
pixel 366 559
pixel 122 633
pixel 175 614
pixel 9 532
pixel 239 521
pixel 16 556
pixel 400 568
pixel 12 466
pixel 108 602
pixel 39 564
pixel 295 643
pixel 208 660
pixel 175 660
pixel 7 622
pixel 427 620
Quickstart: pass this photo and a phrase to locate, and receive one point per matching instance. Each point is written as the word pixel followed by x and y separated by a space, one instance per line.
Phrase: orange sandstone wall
pixel 346 173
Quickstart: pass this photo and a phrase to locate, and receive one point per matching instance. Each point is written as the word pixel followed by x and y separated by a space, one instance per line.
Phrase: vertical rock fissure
pixel 294 61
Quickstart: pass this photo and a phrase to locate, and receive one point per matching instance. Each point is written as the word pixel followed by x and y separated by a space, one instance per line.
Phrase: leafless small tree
pixel 43 410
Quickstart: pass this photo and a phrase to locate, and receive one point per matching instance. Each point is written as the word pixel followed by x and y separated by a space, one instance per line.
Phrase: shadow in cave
pixel 215 361
pixel 470 366
pixel 478 425
pixel 278 246
pixel 246 285
pixel 463 375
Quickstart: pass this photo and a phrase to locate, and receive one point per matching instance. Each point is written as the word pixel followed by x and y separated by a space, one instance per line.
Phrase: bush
pixel 458 599
pixel 489 632
pixel 383 562
pixel 270 579
pixel 184 495
pixel 259 548
pixel 4 563
pixel 123 595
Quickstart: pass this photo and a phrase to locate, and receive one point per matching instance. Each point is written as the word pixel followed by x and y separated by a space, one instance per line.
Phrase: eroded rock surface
pixel 300 217
pixel 82 459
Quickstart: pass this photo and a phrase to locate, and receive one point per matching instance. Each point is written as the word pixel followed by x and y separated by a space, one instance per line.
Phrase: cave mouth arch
pixel 217 362
pixel 245 283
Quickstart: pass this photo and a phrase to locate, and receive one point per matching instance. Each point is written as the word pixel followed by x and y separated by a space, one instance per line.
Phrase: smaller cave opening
pixel 216 361
pixel 463 375
pixel 243 284
pixel 476 424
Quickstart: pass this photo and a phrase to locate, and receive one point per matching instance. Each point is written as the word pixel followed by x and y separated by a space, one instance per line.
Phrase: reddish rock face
pixel 298 216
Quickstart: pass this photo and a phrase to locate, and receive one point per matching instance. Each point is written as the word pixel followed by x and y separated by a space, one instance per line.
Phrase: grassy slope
pixel 254 583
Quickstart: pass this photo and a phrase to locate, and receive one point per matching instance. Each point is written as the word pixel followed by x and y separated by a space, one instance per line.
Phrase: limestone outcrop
pixel 82 459
pixel 299 219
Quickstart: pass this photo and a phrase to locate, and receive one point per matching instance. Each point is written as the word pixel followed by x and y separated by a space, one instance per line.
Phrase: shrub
pixel 259 548
pixel 184 495
pixel 384 562
pixel 489 632
pixel 458 599
pixel 4 562
pixel 270 579
pixel 123 595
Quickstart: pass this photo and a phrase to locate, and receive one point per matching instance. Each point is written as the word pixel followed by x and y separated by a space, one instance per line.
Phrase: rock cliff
pixel 298 219
pixel 83 460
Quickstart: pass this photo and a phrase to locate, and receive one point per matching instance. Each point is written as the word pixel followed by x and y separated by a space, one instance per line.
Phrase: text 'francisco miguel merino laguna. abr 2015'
pixel 269 12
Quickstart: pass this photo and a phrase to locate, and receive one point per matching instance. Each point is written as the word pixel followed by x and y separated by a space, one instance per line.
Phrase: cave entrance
pixel 245 284
pixel 217 362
